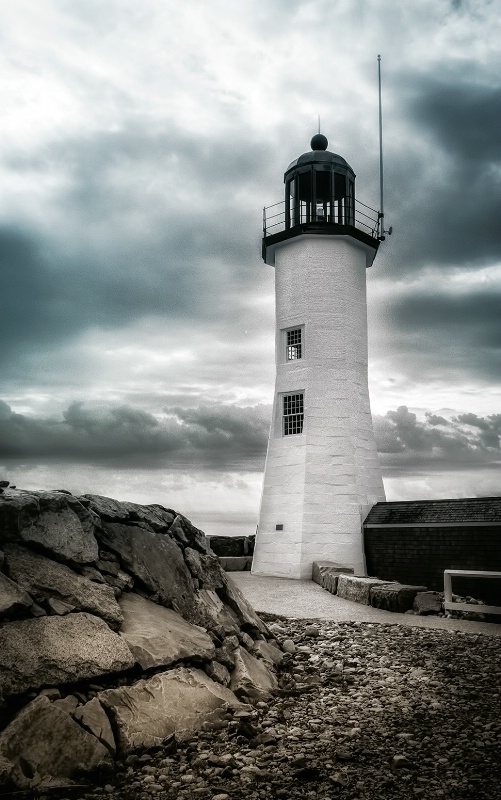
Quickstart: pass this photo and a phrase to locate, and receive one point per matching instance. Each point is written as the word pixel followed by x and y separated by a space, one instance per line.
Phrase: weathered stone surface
pixel 205 567
pixel 236 564
pixel 156 560
pixel 43 577
pixel 95 719
pixel 268 652
pixel 357 589
pixel 14 601
pixel 394 596
pixel 47 748
pixel 57 522
pixel 178 701
pixel 55 650
pixel 427 603
pixel 251 678
pixel 326 574
pixel 233 597
pixel 158 636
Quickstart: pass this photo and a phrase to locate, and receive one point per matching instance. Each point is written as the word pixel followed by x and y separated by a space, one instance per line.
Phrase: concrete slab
pixel 304 599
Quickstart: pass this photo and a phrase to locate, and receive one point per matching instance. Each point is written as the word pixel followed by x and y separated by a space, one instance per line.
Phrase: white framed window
pixel 294 344
pixel 292 413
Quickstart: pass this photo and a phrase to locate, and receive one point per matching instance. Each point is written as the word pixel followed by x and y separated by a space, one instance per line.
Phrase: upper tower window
pixel 294 344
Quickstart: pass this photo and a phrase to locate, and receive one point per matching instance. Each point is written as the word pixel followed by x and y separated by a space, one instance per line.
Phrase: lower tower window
pixel 293 414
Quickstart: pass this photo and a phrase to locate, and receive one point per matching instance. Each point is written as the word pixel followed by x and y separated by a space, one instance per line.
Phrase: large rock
pixel 55 650
pixel 44 578
pixel 54 521
pixel 357 589
pixel 251 678
pixel 94 718
pixel 233 597
pixel 14 601
pixel 158 636
pixel 175 702
pixel 394 596
pixel 47 748
pixel 326 574
pixel 156 560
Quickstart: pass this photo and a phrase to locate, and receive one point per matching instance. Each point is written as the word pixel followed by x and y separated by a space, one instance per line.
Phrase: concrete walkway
pixel 307 600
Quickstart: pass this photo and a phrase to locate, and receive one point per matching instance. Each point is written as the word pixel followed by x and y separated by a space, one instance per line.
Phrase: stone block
pixel 357 589
pixel 235 563
pixel 428 603
pixel 175 702
pixel 326 574
pixel 394 597
pixel 158 636
pixel 49 651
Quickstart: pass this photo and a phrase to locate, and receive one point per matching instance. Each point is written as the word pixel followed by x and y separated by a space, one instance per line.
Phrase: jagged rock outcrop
pixel 118 629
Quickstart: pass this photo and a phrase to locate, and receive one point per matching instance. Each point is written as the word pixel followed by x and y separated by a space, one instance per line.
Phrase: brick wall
pixel 419 555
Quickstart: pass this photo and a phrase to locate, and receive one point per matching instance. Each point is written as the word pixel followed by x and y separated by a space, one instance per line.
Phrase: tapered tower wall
pixel 320 484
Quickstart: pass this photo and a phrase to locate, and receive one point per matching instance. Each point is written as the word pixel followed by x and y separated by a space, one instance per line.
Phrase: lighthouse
pixel 322 472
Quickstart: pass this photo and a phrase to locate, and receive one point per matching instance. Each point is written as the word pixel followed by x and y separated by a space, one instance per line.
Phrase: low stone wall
pixel 119 630
pixel 234 552
pixel 386 595
pixel 421 554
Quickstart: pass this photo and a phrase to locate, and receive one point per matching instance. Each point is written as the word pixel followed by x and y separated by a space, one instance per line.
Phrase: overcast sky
pixel 140 140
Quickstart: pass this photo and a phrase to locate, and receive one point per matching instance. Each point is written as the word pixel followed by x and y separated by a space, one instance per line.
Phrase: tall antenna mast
pixel 381 202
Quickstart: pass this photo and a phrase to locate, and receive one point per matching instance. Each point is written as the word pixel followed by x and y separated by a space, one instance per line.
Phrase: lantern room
pixel 320 200
pixel 319 187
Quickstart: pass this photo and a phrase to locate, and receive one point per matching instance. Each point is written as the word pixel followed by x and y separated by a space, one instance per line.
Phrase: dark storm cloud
pixel 467 439
pixel 449 330
pixel 148 225
pixel 444 171
pixel 216 437
pixel 227 437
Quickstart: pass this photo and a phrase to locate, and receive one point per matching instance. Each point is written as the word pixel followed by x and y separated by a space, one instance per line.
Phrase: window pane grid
pixel 293 414
pixel 294 344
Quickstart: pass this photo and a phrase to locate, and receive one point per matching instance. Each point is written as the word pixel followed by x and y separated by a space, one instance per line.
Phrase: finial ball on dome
pixel 319 142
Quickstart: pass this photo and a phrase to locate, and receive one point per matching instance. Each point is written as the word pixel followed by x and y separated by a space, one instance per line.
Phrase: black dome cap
pixel 319 142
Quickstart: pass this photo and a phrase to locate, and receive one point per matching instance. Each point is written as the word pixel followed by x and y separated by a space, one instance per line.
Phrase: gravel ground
pixel 368 711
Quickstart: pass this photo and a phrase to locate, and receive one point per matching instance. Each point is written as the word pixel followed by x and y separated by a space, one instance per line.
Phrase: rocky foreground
pixel 366 711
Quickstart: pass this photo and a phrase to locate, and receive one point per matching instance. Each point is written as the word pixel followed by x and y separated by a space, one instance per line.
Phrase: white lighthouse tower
pixel 322 471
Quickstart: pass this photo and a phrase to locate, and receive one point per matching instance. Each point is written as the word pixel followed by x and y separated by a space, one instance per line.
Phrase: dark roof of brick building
pixel 432 512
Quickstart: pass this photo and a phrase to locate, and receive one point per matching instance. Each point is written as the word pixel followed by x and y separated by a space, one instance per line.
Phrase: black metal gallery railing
pixel 278 217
